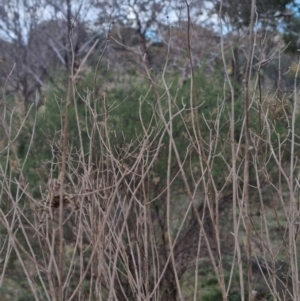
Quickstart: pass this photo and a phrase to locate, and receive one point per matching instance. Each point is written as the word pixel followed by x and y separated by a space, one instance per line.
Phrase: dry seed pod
pixel 69 200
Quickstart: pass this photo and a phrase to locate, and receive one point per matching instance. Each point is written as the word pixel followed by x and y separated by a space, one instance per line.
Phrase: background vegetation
pixel 149 150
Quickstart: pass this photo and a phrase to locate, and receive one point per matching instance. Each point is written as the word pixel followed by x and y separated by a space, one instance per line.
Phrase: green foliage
pixel 127 108
pixel 291 34
pixel 214 295
pixel 26 297
pixel 270 12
